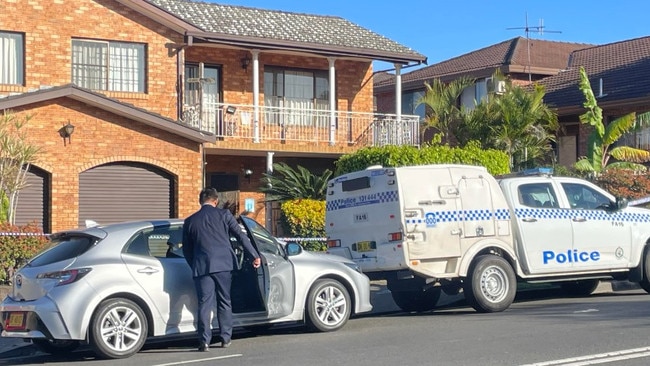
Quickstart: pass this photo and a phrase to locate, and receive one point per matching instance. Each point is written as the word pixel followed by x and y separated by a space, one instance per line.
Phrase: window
pixel 160 242
pixel 12 58
pixel 202 85
pixel 583 197
pixel 297 96
pixel 537 195
pixel 112 66
pixel 410 104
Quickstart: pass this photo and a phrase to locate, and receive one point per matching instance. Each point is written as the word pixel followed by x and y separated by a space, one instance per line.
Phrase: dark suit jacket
pixel 206 240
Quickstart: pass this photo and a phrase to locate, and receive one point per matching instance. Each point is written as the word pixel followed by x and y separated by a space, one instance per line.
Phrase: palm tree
pixel 291 184
pixel 602 137
pixel 524 125
pixel 441 101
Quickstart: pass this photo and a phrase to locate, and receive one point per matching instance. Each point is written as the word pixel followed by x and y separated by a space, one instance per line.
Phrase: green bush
pixel 15 250
pixel 496 161
pixel 305 218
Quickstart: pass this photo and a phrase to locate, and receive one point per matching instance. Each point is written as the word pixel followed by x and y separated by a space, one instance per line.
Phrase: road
pixel 606 328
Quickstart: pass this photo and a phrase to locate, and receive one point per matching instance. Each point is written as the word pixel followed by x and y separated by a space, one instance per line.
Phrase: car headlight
pixel 354 266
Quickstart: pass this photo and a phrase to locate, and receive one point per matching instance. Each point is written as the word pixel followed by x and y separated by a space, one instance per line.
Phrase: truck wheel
pixel 416 300
pixel 118 329
pixel 645 282
pixel 579 288
pixel 491 285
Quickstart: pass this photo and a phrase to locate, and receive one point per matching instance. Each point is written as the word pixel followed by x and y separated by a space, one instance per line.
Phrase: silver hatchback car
pixel 116 286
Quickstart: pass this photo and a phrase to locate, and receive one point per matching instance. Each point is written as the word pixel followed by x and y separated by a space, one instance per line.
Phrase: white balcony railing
pixel 283 124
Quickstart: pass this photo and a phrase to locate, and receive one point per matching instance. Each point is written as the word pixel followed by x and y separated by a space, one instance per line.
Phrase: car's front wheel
pixel 328 305
pixel 118 329
pixel 55 347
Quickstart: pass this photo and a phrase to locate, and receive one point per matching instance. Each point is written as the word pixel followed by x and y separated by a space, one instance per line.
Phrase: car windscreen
pixel 62 248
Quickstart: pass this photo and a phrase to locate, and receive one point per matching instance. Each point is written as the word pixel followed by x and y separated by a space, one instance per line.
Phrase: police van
pixel 432 228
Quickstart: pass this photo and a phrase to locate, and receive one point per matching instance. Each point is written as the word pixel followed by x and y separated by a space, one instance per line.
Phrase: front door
pixel 545 231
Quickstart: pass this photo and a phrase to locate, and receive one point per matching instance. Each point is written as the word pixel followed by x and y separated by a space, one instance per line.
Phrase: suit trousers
pixel 210 289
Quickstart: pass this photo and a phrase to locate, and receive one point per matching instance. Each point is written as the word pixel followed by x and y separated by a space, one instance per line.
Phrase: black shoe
pixel 204 347
pixel 226 344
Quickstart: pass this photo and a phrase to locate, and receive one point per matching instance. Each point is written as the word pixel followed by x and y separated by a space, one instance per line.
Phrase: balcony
pixel 298 125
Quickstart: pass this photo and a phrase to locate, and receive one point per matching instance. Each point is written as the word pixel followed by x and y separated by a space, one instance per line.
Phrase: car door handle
pixel 148 270
pixel 579 219
pixel 529 219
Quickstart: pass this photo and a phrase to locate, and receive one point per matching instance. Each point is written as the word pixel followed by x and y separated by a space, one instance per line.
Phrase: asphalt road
pixel 537 328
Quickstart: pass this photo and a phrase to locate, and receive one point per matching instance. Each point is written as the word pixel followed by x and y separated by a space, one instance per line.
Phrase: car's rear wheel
pixel 118 329
pixel 55 347
pixel 328 305
pixel 491 284
pixel 418 300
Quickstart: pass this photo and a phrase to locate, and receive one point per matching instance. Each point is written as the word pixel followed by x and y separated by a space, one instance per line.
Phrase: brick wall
pixel 99 138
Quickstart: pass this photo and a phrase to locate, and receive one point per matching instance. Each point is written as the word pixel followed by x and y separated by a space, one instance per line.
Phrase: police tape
pixel 639 201
pixel 22 234
pixel 303 239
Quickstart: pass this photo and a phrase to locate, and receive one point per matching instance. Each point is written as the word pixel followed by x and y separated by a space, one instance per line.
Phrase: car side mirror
pixel 293 249
pixel 621 203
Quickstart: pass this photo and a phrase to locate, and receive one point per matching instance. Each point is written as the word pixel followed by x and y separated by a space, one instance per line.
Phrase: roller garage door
pixel 33 200
pixel 125 191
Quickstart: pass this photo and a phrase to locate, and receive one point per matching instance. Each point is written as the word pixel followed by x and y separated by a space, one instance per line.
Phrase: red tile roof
pixel 546 58
pixel 623 67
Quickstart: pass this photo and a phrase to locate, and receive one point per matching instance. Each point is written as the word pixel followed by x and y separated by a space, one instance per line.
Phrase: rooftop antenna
pixel 540 29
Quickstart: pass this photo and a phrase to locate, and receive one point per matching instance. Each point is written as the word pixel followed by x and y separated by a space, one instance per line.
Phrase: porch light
pixel 66 131
pixel 245 61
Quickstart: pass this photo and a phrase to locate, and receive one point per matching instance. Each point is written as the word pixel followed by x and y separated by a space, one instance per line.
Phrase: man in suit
pixel 208 251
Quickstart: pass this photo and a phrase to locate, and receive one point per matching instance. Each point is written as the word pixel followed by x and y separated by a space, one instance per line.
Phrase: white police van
pixel 433 228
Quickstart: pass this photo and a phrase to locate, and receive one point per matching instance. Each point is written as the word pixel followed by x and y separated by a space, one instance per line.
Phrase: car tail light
pixel 65 277
pixel 333 243
pixel 395 236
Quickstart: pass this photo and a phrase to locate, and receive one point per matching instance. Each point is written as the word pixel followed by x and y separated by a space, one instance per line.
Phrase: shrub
pixel 496 161
pixel 624 183
pixel 305 218
pixel 15 250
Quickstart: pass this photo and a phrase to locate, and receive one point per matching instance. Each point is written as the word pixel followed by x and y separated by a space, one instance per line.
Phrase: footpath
pixel 380 298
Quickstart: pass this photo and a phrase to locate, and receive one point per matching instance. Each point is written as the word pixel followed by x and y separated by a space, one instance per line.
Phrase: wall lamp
pixel 245 61
pixel 247 174
pixel 66 131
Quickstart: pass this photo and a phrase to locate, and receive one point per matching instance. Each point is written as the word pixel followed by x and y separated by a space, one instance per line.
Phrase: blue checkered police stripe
pixel 596 215
pixel 462 215
pixel 361 200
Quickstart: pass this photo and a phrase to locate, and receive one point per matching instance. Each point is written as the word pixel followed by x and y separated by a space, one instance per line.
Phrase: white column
pixel 256 95
pixel 398 92
pixel 333 105
pixel 268 208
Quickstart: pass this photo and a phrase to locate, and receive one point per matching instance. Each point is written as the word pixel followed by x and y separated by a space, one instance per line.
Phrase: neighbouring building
pixel 137 104
pixel 619 74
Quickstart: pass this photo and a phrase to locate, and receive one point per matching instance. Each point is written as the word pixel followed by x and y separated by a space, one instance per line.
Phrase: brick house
pixel 167 96
pixel 521 59
pixel 619 74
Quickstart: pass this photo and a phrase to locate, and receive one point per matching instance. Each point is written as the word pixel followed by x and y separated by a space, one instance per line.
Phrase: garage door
pixel 125 191
pixel 32 200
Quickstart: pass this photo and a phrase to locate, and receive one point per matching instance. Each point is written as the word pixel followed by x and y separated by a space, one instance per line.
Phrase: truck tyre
pixel 491 284
pixel 580 288
pixel 645 282
pixel 416 300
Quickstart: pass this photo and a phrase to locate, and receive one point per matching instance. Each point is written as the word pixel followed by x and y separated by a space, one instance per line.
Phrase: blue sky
pixel 443 29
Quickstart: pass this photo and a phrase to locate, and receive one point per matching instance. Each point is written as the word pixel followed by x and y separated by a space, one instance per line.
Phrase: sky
pixel 443 29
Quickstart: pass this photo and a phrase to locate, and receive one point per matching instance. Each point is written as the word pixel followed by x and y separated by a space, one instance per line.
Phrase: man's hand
pixel 257 262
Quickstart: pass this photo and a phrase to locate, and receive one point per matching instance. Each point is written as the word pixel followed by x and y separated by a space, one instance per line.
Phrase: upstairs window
pixel 12 58
pixel 300 97
pixel 112 66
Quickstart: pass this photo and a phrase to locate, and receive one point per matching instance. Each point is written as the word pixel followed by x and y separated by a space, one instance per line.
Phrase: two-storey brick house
pixel 166 96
